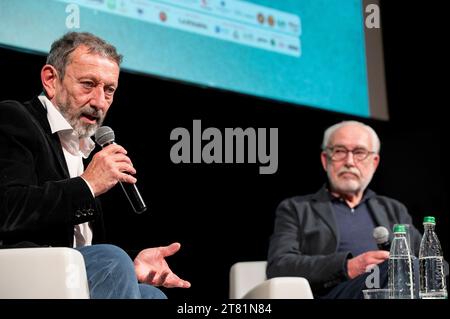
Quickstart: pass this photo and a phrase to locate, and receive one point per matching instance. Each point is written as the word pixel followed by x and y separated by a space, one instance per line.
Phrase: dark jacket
pixel 306 237
pixel 39 202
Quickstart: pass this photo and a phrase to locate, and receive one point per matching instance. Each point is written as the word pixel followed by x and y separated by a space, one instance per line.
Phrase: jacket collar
pixel 36 108
pixel 40 113
pixel 321 204
pixel 324 195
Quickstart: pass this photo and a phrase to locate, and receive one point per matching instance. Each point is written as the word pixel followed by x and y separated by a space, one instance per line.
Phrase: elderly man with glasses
pixel 326 237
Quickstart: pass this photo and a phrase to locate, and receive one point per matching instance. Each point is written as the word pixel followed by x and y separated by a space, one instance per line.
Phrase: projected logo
pixel 210 17
pixel 163 16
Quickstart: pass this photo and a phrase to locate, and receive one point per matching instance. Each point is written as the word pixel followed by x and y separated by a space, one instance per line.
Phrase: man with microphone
pixel 328 237
pixel 47 198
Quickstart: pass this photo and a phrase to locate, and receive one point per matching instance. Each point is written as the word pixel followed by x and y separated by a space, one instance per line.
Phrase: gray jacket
pixel 306 237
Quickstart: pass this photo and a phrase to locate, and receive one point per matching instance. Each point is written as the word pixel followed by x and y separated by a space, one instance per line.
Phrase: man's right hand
pixel 359 264
pixel 108 167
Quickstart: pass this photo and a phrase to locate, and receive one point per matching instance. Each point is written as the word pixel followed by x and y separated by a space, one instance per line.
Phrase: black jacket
pixel 306 237
pixel 39 202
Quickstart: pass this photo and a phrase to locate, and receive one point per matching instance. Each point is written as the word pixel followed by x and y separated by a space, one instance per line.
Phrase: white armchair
pixel 248 281
pixel 42 273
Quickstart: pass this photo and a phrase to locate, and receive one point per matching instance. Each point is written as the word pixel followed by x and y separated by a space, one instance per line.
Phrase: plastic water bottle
pixel 401 282
pixel 432 278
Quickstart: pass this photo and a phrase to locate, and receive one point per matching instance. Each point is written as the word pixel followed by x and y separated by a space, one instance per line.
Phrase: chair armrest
pixel 56 273
pixel 281 288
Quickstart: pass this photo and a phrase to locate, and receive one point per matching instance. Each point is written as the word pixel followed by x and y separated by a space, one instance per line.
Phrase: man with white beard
pixel 326 237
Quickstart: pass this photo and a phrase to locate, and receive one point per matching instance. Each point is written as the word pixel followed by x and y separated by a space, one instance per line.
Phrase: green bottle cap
pixel 429 220
pixel 400 229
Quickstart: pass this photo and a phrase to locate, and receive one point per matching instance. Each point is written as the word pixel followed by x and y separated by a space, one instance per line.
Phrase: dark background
pixel 224 213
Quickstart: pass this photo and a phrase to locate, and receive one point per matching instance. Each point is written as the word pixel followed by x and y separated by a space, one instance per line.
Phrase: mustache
pixel 345 170
pixel 88 110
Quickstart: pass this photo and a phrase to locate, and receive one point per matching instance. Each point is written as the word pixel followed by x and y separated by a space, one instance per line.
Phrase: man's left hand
pixel 151 267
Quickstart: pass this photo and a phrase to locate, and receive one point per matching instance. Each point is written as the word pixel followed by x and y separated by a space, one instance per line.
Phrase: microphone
pixel 381 236
pixel 104 136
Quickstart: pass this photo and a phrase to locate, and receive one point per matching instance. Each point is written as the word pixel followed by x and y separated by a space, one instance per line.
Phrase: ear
pixel 376 161
pixel 324 159
pixel 49 79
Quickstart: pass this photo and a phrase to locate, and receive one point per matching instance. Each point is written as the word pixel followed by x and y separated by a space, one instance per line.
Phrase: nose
pixel 98 99
pixel 349 159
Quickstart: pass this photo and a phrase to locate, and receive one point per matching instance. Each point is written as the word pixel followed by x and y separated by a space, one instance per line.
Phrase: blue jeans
pixel 111 274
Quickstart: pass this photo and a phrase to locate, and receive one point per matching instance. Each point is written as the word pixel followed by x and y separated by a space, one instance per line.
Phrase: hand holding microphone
pixel 111 166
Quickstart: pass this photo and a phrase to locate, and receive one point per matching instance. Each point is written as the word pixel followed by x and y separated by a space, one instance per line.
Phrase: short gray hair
pixel 59 56
pixel 330 131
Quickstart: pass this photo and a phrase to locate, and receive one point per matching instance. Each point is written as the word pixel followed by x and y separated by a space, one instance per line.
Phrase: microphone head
pixel 381 235
pixel 104 135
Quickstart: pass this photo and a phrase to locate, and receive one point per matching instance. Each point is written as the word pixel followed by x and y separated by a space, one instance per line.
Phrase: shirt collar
pixel 368 194
pixel 67 135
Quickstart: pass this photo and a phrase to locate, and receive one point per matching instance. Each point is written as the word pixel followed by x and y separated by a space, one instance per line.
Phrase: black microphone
pixel 381 236
pixel 104 136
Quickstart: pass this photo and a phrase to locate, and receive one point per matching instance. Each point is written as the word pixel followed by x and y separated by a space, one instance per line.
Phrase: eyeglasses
pixel 339 153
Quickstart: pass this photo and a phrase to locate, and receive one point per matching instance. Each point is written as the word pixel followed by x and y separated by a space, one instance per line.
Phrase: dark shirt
pixel 355 225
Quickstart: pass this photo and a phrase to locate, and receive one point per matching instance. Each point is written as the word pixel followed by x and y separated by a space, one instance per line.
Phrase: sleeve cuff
pixel 90 188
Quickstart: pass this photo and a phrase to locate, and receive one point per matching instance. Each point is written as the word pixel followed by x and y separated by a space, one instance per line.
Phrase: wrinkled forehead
pixel 94 65
pixel 84 55
pixel 352 136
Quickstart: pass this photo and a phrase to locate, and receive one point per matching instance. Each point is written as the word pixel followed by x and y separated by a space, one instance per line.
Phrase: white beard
pixel 348 186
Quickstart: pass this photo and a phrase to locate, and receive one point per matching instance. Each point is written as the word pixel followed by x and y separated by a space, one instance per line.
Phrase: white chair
pixel 42 273
pixel 248 281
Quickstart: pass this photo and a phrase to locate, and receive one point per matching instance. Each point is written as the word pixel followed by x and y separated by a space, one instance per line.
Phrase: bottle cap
pixel 400 229
pixel 429 220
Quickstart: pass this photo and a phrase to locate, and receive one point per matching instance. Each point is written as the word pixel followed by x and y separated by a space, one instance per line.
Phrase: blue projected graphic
pixel 309 52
